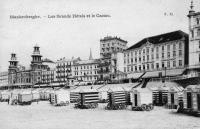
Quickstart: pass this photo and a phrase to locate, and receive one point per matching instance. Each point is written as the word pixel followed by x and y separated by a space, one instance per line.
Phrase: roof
pixel 162 86
pixel 158 39
pixel 193 88
pixel 47 60
pixel 112 38
pixel 88 90
pixel 82 62
pixel 143 90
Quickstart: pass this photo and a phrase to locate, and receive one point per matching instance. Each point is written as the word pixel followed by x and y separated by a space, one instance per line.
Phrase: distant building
pixel 86 70
pixel 108 46
pixel 18 76
pixel 117 66
pixel 161 52
pixel 48 76
pixel 64 69
pixel 3 79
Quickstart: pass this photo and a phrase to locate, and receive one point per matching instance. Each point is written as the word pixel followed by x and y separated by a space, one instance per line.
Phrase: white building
pixel 86 70
pixel 194 38
pixel 64 69
pixel 3 79
pixel 157 53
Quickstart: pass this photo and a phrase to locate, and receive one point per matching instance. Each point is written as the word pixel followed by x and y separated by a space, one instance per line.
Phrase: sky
pixel 131 20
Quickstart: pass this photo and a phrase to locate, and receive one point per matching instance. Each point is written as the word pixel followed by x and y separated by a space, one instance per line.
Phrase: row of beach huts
pixel 117 96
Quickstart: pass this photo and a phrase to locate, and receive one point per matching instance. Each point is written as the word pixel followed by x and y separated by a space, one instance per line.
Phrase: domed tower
pixel 13 63
pixel 36 62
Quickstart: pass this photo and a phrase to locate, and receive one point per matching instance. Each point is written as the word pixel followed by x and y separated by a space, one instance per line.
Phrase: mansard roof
pixel 162 38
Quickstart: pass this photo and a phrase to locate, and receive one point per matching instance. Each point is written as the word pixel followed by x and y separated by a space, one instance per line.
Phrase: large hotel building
pixel 161 52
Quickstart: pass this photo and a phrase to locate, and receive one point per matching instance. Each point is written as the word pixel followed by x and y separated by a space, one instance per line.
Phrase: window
pixel 135 53
pixel 125 61
pixel 163 48
pixel 168 54
pixel 152 50
pixel 174 63
pixel 127 69
pixel 174 46
pixel 168 47
pixel 147 57
pixel 152 56
pixel 139 51
pixel 139 67
pixel 168 64
pixel 157 49
pixel 157 65
pixel 180 45
pixel 199 57
pixel 128 61
pixel 197 21
pixel 131 68
pixel 152 66
pixel 157 56
pixel 192 33
pixel 147 66
pixel 163 55
pixel 139 59
pixel 180 52
pixel 131 60
pixel 143 58
pixel 174 53
pixel 198 32
pixel 199 43
pixel 124 69
pixel 135 68
pixel 163 64
pixel 135 60
pixel 180 62
pixel 147 50
pixel 143 51
pixel 143 67
pixel 131 53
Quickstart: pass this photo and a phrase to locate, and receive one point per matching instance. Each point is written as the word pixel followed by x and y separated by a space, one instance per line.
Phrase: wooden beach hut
pixel 142 99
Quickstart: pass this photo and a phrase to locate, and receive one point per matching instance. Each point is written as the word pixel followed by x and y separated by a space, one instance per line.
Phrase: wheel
pixel 148 108
pixel 151 106
pixel 143 106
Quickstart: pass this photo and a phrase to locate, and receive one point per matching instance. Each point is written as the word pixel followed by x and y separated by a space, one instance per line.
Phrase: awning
pixel 152 74
pixel 134 75
pixel 174 72
pixel 161 73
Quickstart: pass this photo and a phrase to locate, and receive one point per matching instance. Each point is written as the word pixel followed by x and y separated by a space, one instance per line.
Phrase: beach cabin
pixel 142 99
pixel 88 98
pixel 175 97
pixel 160 95
pixel 25 97
pixel 116 98
pixel 5 96
pixel 74 95
pixel 47 93
pixel 35 95
pixel 14 96
pixel 60 97
pixel 191 99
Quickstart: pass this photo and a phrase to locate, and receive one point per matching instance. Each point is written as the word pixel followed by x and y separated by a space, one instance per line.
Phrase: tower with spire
pixel 36 62
pixel 13 63
pixel 90 57
pixel 194 37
